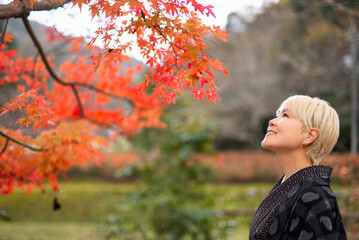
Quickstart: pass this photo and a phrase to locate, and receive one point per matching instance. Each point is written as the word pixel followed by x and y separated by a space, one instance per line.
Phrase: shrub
pixel 171 201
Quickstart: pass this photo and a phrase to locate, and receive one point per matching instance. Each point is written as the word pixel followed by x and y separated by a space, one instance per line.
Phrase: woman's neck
pixel 293 162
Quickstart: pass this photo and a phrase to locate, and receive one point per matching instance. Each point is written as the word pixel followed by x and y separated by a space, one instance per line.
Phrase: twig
pixel 5 146
pixel 20 143
pixel 3 34
pixel 82 114
pixel 156 27
pixel 95 89
pixel 171 43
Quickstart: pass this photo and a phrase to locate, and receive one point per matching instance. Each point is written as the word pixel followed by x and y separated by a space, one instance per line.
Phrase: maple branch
pixel 5 146
pixel 171 43
pixel 95 89
pixel 78 100
pixel 156 27
pixel 3 34
pixel 53 74
pixel 19 143
pixel 56 78
pixel 16 11
pixel 343 8
pixel 47 64
pixel 41 51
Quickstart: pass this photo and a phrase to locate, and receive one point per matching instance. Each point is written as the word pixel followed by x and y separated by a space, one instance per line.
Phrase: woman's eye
pixel 285 115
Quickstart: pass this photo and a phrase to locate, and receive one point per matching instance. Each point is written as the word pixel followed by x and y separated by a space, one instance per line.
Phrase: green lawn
pixel 48 230
pixel 86 205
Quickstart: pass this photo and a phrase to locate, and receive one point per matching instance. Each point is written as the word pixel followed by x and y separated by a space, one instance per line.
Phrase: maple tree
pixel 67 108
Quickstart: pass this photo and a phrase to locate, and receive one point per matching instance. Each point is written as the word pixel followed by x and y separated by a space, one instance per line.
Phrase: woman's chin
pixel 266 145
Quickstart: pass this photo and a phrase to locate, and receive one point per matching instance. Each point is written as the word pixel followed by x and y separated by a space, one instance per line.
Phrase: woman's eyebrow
pixel 279 112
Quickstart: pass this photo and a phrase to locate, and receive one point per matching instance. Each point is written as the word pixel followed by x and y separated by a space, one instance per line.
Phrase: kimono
pixel 302 207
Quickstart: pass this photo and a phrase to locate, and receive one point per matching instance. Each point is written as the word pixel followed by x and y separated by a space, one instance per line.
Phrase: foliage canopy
pixel 68 109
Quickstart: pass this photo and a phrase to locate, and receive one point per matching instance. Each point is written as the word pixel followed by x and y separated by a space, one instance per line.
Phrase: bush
pixel 171 201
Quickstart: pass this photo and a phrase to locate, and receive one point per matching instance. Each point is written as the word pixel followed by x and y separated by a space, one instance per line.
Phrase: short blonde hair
pixel 315 113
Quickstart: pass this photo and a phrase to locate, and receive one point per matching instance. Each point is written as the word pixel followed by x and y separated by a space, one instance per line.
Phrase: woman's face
pixel 284 134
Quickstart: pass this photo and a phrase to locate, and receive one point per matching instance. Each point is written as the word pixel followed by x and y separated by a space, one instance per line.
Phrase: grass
pixel 82 202
pixel 86 204
pixel 48 230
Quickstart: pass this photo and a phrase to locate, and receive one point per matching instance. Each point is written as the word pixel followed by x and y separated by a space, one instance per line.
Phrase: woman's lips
pixel 270 132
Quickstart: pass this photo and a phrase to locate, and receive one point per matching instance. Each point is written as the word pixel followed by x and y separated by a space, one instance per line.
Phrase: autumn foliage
pixel 64 114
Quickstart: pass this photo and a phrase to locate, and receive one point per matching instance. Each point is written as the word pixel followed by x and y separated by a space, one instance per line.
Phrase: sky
pixel 70 21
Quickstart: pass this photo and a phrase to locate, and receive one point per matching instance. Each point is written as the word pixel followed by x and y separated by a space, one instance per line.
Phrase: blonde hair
pixel 315 113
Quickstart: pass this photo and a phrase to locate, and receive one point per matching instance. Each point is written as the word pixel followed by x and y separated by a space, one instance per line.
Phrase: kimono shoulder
pixel 310 211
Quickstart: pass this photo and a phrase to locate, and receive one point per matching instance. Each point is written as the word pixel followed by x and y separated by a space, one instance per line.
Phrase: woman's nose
pixel 272 122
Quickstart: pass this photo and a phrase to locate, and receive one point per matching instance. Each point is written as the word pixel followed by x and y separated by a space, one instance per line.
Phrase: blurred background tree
pixel 171 199
pixel 292 47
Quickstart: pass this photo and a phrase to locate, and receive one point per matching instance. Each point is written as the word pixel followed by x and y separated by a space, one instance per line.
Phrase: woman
pixel 301 205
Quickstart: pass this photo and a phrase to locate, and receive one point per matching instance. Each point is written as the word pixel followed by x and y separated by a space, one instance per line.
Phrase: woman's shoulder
pixel 311 197
pixel 313 191
pixel 315 202
pixel 317 194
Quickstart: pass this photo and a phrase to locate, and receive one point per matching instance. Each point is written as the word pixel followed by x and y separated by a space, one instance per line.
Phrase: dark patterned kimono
pixel 302 207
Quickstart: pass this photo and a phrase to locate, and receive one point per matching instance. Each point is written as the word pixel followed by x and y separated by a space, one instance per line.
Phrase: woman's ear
pixel 313 134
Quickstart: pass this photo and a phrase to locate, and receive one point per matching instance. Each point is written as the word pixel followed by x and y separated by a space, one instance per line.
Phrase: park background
pixel 290 47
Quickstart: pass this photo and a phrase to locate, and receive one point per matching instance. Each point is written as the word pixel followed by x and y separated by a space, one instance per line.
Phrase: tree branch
pixel 16 11
pixel 5 146
pixel 47 64
pixel 3 34
pixel 19 143
pixel 41 51
pixel 343 8
pixel 95 89
pixel 82 114
pixel 158 29
pixel 171 43
pixel 53 74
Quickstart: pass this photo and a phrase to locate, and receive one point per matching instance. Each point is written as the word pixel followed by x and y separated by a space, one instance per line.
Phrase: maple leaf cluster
pixel 171 37
pixel 67 135
pixel 90 92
